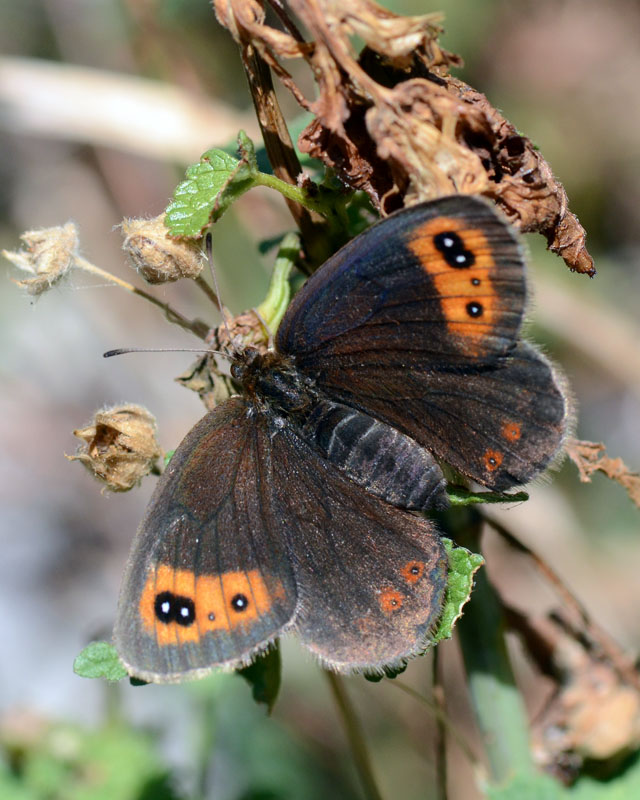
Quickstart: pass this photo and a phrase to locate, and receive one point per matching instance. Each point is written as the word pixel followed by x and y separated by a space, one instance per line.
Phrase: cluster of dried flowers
pixel 392 121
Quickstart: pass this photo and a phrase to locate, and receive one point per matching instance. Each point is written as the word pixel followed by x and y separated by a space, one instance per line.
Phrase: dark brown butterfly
pixel 289 506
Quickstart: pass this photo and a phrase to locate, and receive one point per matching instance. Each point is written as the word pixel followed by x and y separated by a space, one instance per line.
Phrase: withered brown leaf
pixel 394 123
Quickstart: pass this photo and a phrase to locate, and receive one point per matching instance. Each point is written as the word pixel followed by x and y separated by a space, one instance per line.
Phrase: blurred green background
pixel 102 105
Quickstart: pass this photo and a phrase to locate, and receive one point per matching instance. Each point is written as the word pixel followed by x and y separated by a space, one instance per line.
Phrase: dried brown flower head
pixel 157 257
pixel 48 256
pixel 119 446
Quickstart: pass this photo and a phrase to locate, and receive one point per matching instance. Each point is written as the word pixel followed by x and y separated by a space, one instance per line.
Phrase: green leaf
pixel 99 660
pixel 209 189
pixel 264 676
pixel 459 496
pixel 463 564
pixel 247 151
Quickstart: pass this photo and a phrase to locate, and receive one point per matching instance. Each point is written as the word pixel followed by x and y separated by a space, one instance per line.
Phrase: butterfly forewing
pixel 419 327
pixel 209 580
pixel 438 285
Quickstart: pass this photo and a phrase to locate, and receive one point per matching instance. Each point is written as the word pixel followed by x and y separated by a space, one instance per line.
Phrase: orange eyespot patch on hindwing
pixel 177 606
pixel 511 431
pixel 460 261
pixel 390 600
pixel 492 460
pixel 412 571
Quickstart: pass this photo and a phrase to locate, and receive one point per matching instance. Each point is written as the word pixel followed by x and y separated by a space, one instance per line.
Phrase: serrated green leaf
pixel 247 151
pixel 264 675
pixel 463 564
pixel 99 660
pixel 208 190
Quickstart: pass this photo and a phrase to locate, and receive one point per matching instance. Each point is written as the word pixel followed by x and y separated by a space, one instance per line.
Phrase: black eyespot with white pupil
pixel 453 250
pixel 171 607
pixel 474 309
pixel 239 602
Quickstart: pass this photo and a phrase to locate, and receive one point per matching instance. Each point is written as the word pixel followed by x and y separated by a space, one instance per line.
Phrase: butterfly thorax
pixel 271 380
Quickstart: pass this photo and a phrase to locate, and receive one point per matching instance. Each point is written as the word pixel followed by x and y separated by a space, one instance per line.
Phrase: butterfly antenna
pixel 208 245
pixel 124 350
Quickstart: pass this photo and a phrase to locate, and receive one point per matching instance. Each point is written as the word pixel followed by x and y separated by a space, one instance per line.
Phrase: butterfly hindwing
pixel 371 578
pixel 500 426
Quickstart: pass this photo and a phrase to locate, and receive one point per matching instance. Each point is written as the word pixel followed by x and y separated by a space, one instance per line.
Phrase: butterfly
pixel 291 507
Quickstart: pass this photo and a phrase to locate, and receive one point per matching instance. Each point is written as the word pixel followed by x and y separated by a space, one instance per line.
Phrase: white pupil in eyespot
pixel 166 607
pixel 461 259
pixel 447 242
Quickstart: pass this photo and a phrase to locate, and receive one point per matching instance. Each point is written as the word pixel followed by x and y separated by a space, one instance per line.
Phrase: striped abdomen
pixel 379 458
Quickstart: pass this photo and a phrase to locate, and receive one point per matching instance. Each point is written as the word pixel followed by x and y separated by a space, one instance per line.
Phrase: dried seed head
pixel 157 257
pixel 119 446
pixel 48 256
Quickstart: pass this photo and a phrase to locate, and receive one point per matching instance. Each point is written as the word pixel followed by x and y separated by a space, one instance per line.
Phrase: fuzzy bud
pixel 48 256
pixel 157 257
pixel 119 446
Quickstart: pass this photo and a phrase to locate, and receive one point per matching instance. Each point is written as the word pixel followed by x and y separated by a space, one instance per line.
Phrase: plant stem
pixel 498 706
pixel 294 193
pixel 440 716
pixel 196 326
pixel 355 736
pixel 202 284
pixel 206 745
pixel 441 730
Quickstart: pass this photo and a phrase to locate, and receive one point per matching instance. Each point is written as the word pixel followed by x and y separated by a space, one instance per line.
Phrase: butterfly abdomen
pixel 374 455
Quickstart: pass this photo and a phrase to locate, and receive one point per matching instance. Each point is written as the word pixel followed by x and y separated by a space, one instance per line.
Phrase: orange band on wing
pixel 177 606
pixel 467 298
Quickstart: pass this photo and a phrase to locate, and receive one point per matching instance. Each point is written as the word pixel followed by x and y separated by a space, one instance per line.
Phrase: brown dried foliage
pixel 594 714
pixel 394 123
pixel 591 457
